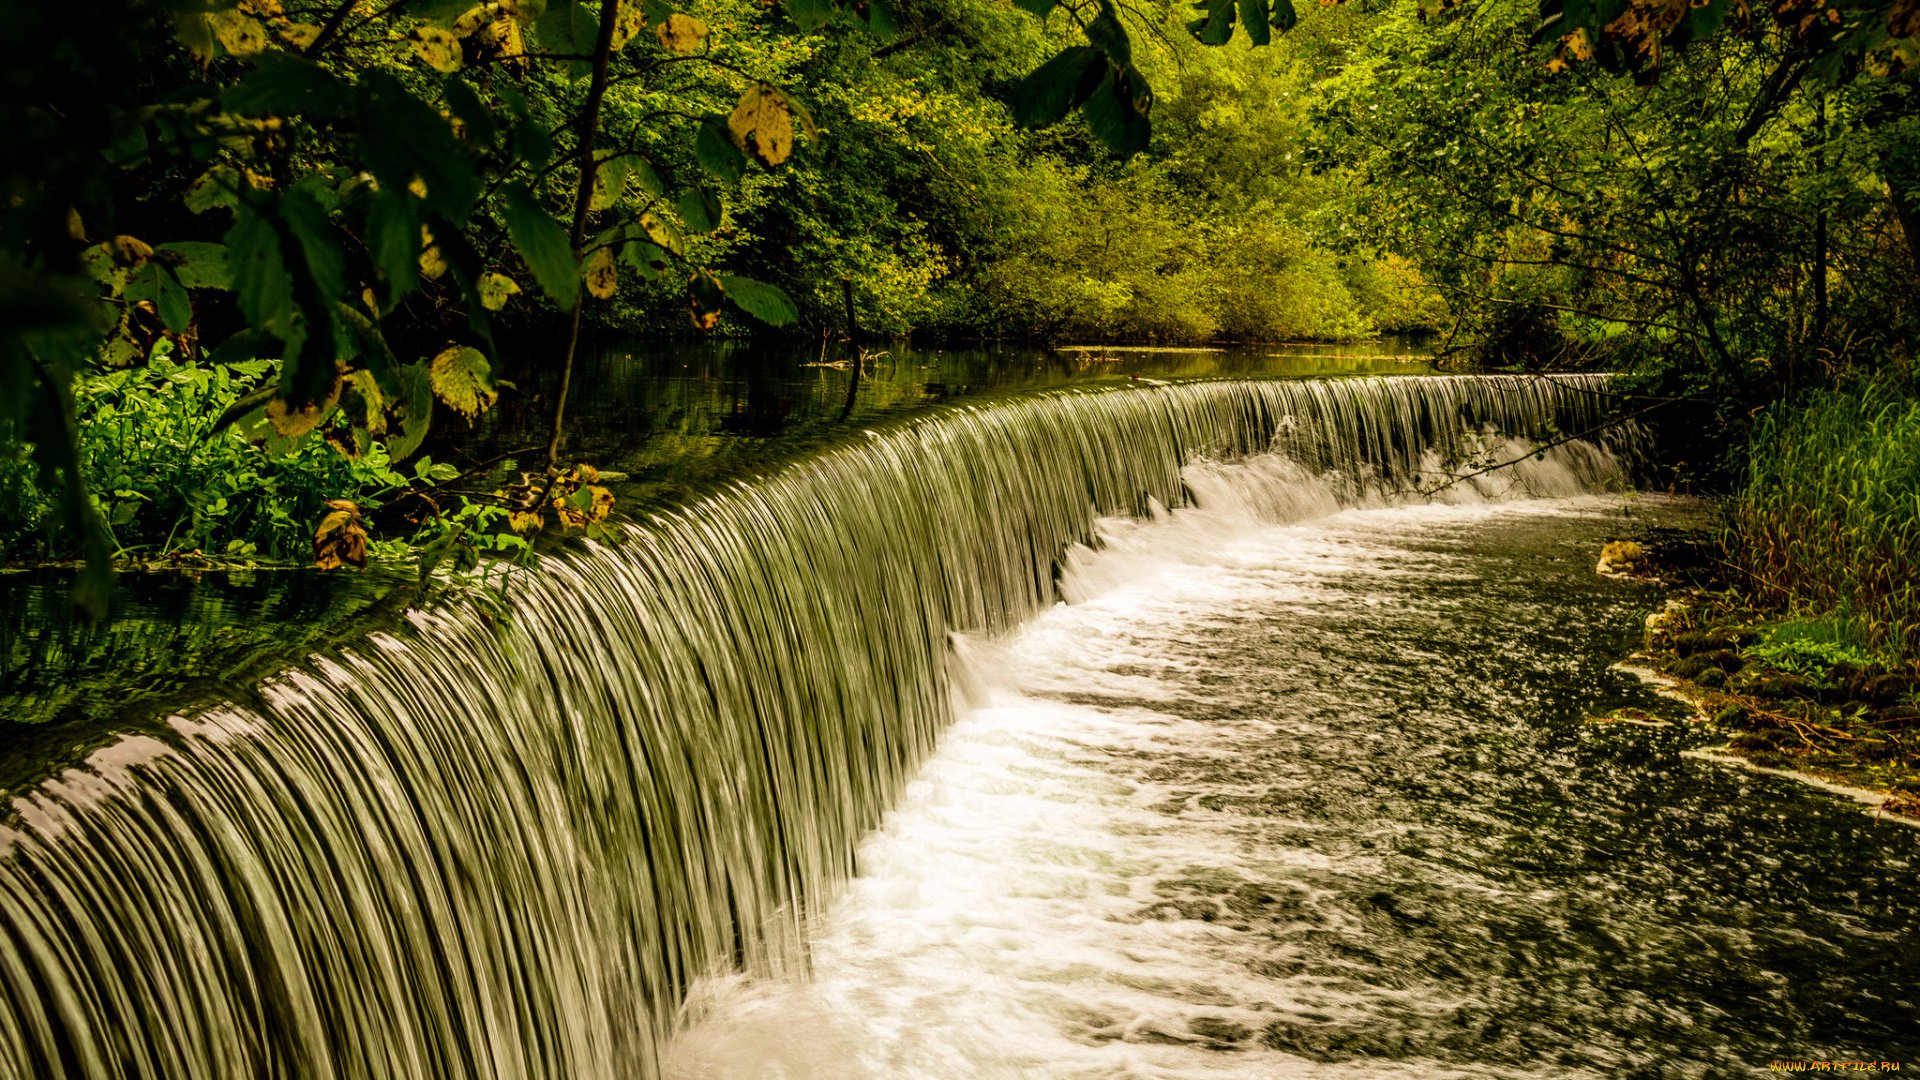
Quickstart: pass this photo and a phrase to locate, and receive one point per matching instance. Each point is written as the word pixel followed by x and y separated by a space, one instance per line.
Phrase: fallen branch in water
pixel 1544 447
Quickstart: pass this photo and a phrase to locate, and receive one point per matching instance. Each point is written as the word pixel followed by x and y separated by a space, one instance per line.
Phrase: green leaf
pixel 716 153
pixel 126 140
pixel 1042 8
pixel 1215 25
pixel 543 244
pixel 462 378
pixel 157 283
pixel 1116 116
pixel 875 17
pixel 471 111
pixel 198 265
pixel 261 281
pixel 700 209
pixel 284 85
pixel 393 238
pixel 402 138
pixel 414 410
pixel 1050 93
pixel 215 189
pixel 319 246
pixel 642 170
pixel 570 28
pixel 648 260
pixel 768 303
pixel 372 348
pixel 1283 15
pixel 1253 17
pixel 811 15
pixel 1106 34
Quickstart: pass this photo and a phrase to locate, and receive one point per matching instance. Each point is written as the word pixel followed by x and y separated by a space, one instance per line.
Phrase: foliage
pixel 378 171
pixel 1811 647
pixel 1707 226
pixel 167 480
pixel 1829 516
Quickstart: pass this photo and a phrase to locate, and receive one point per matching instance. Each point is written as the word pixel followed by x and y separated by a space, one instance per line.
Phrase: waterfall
pixel 504 847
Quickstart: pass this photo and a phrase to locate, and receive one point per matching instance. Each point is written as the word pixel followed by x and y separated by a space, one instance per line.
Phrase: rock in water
pixel 1621 556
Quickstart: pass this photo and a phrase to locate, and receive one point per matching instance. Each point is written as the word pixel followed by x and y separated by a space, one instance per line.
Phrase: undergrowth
pixel 1828 518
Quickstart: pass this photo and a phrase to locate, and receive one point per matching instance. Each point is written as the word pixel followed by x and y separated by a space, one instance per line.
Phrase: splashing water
pixel 1295 787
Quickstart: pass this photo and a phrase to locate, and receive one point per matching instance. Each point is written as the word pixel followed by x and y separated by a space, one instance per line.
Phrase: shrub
pixel 165 481
pixel 1828 517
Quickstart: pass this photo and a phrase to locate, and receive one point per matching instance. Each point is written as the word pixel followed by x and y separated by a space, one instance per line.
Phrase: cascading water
pixel 508 849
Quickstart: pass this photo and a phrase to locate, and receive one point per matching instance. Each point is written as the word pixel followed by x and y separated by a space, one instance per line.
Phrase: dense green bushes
pixel 1828 519
pixel 166 481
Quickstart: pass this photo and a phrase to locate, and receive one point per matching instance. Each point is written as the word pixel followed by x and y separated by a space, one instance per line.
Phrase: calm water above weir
pixel 1294 782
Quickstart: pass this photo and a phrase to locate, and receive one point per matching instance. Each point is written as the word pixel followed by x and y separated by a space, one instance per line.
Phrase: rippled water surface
pixel 1319 798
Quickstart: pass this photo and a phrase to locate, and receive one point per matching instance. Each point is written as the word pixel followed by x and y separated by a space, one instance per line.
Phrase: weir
pixel 506 847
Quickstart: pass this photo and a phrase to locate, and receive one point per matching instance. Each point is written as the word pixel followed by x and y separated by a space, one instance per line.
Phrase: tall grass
pixel 1828 519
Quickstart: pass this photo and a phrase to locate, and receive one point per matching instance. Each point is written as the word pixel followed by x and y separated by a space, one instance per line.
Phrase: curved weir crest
pixel 486 850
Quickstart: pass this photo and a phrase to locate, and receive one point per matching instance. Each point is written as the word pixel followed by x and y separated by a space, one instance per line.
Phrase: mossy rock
pixel 1726 660
pixel 1773 684
pixel 1712 678
pixel 1882 688
pixel 1753 740
pixel 1733 716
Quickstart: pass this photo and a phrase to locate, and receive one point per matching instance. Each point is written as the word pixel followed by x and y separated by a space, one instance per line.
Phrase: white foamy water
pixel 1041 904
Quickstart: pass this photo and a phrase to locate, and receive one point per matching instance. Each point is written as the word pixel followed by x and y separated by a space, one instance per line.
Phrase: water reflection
pixel 679 417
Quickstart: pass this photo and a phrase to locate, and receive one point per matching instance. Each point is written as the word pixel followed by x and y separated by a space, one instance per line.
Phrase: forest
pixel 254 252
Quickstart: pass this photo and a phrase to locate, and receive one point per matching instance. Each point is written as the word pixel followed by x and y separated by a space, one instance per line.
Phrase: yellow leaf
pixel 432 263
pixel 474 19
pixel 496 289
pixel 589 504
pixel 461 377
pixel 243 35
pixel 129 252
pixel 419 189
pixel 762 125
pixel 682 34
pixel 664 233
pixel 525 521
pixel 340 539
pixel 523 12
pixel 438 48
pixel 299 35
pixel 629 22
pixel 363 390
pixel 603 275
pixel 292 423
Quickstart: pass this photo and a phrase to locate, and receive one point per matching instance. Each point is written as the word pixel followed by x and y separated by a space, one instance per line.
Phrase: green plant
pixel 1813 647
pixel 1829 515
pixel 168 479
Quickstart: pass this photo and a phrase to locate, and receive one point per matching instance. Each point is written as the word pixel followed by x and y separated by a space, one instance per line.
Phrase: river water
pixel 1292 790
pixel 928 743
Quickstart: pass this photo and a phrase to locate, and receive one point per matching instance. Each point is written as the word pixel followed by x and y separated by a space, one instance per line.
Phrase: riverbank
pixel 1789 695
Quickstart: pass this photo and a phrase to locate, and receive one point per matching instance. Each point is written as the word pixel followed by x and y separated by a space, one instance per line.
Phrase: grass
pixel 1828 519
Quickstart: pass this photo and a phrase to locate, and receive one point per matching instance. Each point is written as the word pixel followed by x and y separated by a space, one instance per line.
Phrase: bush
pixel 1828 518
pixel 165 481
pixel 1813 647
